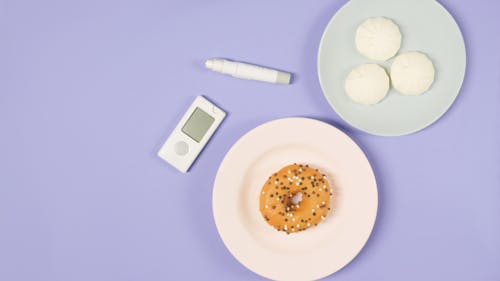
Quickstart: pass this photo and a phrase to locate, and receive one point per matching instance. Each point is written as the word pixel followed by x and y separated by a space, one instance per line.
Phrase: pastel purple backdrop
pixel 89 90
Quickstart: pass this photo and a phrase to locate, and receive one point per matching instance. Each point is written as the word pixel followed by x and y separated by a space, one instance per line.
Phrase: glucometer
pixel 191 134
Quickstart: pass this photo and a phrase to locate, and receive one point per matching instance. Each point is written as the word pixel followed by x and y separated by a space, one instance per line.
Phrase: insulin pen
pixel 248 71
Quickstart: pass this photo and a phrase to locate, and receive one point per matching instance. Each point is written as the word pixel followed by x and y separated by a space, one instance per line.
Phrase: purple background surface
pixel 89 90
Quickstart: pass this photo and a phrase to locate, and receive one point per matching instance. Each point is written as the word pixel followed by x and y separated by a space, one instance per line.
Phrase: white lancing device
pixel 191 134
pixel 248 71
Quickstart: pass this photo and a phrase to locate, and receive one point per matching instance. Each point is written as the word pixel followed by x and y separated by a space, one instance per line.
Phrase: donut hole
pixel 295 199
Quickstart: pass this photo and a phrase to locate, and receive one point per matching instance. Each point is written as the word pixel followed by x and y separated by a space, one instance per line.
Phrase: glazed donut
pixel 295 198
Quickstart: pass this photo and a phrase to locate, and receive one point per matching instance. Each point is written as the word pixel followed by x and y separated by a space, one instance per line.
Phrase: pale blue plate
pixel 426 26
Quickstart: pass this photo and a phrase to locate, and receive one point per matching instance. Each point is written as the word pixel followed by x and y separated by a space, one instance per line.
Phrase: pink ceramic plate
pixel 318 251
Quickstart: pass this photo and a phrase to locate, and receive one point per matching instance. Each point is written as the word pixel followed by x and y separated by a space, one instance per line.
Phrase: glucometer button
pixel 181 148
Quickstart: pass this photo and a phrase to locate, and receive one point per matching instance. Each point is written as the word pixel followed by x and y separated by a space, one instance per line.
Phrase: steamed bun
pixel 378 38
pixel 367 84
pixel 412 73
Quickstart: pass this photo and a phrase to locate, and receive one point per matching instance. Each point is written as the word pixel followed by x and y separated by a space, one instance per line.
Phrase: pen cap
pixel 283 77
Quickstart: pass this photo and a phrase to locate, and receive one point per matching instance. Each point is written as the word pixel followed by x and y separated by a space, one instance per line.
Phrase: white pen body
pixel 248 71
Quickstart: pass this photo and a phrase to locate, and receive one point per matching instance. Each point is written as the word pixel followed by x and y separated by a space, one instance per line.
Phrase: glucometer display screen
pixel 198 124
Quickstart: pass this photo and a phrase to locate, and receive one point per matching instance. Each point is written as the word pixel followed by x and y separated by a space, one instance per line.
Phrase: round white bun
pixel 412 73
pixel 378 38
pixel 367 84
